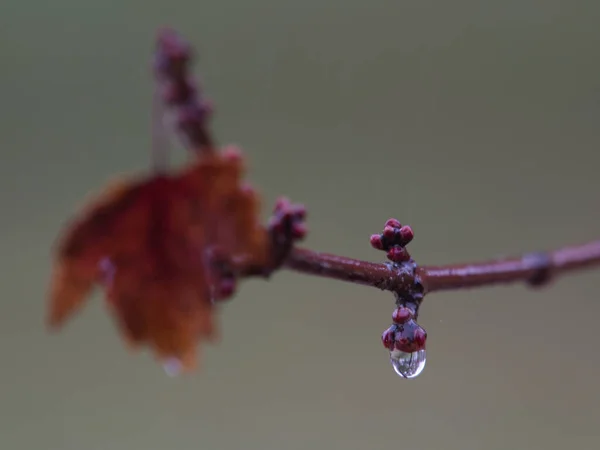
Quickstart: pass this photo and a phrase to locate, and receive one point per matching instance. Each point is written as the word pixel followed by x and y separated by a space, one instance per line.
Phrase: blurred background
pixel 474 122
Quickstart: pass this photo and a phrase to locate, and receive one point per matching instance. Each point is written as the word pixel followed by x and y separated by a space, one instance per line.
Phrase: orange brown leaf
pixel 146 242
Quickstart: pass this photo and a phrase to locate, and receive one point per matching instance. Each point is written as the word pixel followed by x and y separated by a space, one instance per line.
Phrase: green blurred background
pixel 475 122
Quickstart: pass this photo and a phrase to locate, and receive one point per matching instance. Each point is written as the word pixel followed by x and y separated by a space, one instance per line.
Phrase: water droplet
pixel 408 365
pixel 172 367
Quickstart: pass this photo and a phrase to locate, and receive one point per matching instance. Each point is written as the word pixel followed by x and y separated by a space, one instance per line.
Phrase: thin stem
pixel 383 276
pixel 534 268
pixel 179 93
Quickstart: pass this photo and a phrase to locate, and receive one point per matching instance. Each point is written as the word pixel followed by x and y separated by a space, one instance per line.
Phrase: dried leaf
pixel 146 243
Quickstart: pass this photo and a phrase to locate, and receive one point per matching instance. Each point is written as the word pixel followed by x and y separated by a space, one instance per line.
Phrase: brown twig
pixel 534 268
pixel 384 276
pixel 179 92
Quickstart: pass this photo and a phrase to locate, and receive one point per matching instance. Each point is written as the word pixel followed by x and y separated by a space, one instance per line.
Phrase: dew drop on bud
pixel 408 365
pixel 172 367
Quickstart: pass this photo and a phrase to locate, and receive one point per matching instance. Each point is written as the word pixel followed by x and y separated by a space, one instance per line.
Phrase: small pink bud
pixel 299 230
pixel 281 203
pixel 398 254
pixel 233 153
pixel 401 315
pixel 402 343
pixel 376 241
pixel 389 232
pixel 406 234
pixel 299 212
pixel 394 223
pixel 388 338
pixel 419 338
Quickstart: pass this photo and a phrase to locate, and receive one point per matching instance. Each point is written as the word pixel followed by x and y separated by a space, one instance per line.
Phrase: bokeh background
pixel 475 122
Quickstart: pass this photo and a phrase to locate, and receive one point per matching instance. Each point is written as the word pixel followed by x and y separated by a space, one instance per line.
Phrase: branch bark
pixel 534 268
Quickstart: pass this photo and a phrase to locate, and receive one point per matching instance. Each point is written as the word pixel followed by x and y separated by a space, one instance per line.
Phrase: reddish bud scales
pixel 299 231
pixel 402 343
pixel 280 204
pixel 376 241
pixel 420 337
pixel 298 211
pixel 394 223
pixel 406 234
pixel 172 45
pixel 388 338
pixel 389 232
pixel 401 315
pixel 233 154
pixel 393 240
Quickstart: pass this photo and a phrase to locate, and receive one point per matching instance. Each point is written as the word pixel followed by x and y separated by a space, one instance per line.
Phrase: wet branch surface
pixel 536 269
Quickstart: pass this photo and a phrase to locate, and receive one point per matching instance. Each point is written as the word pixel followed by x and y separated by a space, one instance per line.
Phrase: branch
pixel 386 277
pixel 405 338
pixel 167 247
pixel 534 268
pixel 179 91
pixel 401 275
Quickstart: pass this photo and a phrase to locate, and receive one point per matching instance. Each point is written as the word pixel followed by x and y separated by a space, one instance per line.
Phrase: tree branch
pixel 401 275
pixel 534 268
pixel 179 91
pixel 385 276
pixel 405 338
